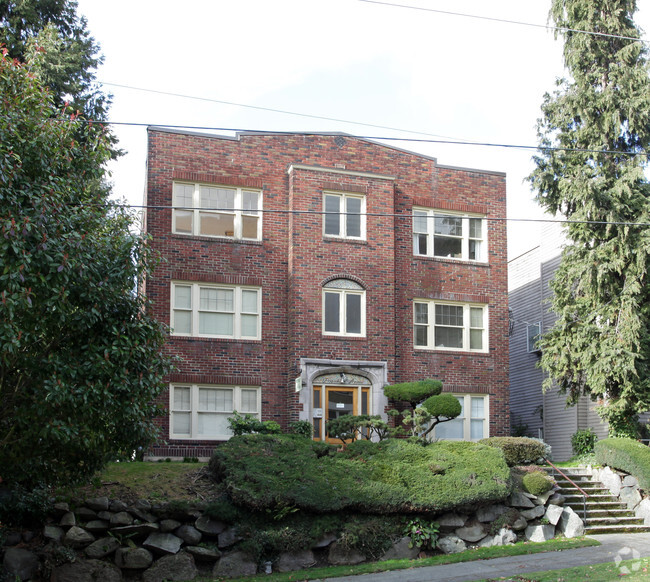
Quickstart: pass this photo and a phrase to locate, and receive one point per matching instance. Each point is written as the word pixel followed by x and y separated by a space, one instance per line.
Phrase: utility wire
pixel 506 21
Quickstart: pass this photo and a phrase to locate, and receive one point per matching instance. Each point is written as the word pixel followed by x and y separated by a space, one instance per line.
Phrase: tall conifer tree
pixel 599 119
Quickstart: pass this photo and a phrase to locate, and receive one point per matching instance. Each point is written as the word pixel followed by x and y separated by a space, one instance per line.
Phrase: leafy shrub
pixel 247 424
pixel 423 533
pixel 626 455
pixel 517 450
pixel 351 427
pixel 302 427
pixel 537 482
pixel 25 507
pixel 272 472
pixel 583 441
pixel 370 535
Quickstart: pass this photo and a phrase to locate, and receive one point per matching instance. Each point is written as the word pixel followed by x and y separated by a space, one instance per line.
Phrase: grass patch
pixel 579 461
pixel 638 572
pixel 162 482
pixel 467 556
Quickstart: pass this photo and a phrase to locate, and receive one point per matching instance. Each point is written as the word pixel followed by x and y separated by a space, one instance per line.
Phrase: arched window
pixel 344 308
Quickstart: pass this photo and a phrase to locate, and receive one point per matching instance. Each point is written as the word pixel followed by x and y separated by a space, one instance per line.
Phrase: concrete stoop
pixel 605 514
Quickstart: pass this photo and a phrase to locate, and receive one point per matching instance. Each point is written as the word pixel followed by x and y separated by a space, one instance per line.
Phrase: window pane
pixel 475 228
pixel 353 218
pixel 451 429
pixel 183 296
pixel 213 424
pixel 353 313
pixel 249 401
pixel 421 244
pixel 478 407
pixel 249 301
pixel 476 339
pixel 332 219
pixel 183 221
pixel 449 315
pixel 183 194
pixel 448 225
pixel 181 398
pixel 476 429
pixel 225 299
pixel 332 305
pixel 215 400
pixel 474 250
pixel 181 422
pixel 212 224
pixel 419 221
pixel 421 335
pixel 249 227
pixel 216 323
pixel 421 313
pixel 449 337
pixel 249 202
pixel 249 325
pixel 476 317
pixel 183 322
pixel 448 247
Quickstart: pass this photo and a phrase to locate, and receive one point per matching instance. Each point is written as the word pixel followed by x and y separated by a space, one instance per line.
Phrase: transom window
pixel 438 233
pixel 470 425
pixel 202 412
pixel 217 211
pixel 449 326
pixel 215 311
pixel 344 308
pixel 344 215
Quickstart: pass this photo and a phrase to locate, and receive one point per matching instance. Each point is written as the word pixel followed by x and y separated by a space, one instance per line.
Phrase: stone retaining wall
pixel 626 488
pixel 111 541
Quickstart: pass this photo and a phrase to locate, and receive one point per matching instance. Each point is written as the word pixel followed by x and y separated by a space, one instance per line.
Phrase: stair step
pixel 614 513
pixel 599 521
pixel 605 529
pixel 604 505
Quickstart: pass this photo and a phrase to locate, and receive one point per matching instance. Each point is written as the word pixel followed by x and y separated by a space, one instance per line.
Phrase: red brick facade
pixel 294 260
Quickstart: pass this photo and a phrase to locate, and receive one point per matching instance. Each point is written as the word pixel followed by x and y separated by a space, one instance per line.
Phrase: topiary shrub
pixel 626 455
pixel 537 482
pixel 413 392
pixel 583 441
pixel 517 450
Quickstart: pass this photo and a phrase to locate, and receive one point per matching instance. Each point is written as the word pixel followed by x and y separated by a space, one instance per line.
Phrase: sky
pixel 404 73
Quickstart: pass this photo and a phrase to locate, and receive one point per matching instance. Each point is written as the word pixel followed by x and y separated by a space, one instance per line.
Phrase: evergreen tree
pixel 599 118
pixel 55 40
pixel 81 359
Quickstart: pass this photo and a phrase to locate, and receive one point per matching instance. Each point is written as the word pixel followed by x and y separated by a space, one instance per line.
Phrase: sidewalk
pixel 611 545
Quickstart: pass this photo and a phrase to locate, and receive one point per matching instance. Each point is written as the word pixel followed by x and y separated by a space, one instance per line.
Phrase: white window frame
pixel 343 294
pixel 430 326
pixel 532 340
pixel 238 212
pixel 430 215
pixel 194 409
pixel 344 199
pixel 466 418
pixel 194 309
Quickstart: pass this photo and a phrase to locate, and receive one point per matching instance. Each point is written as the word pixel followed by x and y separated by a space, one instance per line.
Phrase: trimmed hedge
pixel 626 455
pixel 277 473
pixel 517 450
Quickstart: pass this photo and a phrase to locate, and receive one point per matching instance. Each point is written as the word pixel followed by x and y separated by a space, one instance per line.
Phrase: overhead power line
pixel 506 21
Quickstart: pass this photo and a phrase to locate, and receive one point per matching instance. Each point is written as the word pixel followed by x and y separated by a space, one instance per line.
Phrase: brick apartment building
pixel 302 273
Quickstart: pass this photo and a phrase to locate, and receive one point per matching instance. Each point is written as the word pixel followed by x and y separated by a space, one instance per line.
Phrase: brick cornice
pixel 453 206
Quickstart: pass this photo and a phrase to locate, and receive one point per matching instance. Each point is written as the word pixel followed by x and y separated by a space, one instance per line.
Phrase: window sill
pixel 189 338
pixel 217 239
pixel 345 337
pixel 451 351
pixel 454 261
pixel 343 239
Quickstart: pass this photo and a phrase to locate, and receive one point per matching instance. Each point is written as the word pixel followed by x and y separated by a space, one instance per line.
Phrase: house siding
pixel 293 260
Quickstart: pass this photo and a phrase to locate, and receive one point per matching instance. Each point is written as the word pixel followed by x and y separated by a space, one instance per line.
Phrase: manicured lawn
pixel 469 555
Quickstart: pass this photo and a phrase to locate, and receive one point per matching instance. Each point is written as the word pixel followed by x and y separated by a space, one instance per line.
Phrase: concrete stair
pixel 604 513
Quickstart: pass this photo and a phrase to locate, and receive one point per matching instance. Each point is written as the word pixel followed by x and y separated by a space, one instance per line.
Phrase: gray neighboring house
pixel 544 415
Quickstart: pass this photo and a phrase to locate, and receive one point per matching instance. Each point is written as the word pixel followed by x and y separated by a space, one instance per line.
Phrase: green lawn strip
pixel 467 556
pixel 639 570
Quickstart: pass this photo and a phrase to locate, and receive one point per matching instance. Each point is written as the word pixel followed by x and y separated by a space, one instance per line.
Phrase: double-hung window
pixel 344 215
pixel 218 211
pixel 438 233
pixel 470 425
pixel 202 412
pixel 203 310
pixel 344 308
pixel 449 326
pixel 532 336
